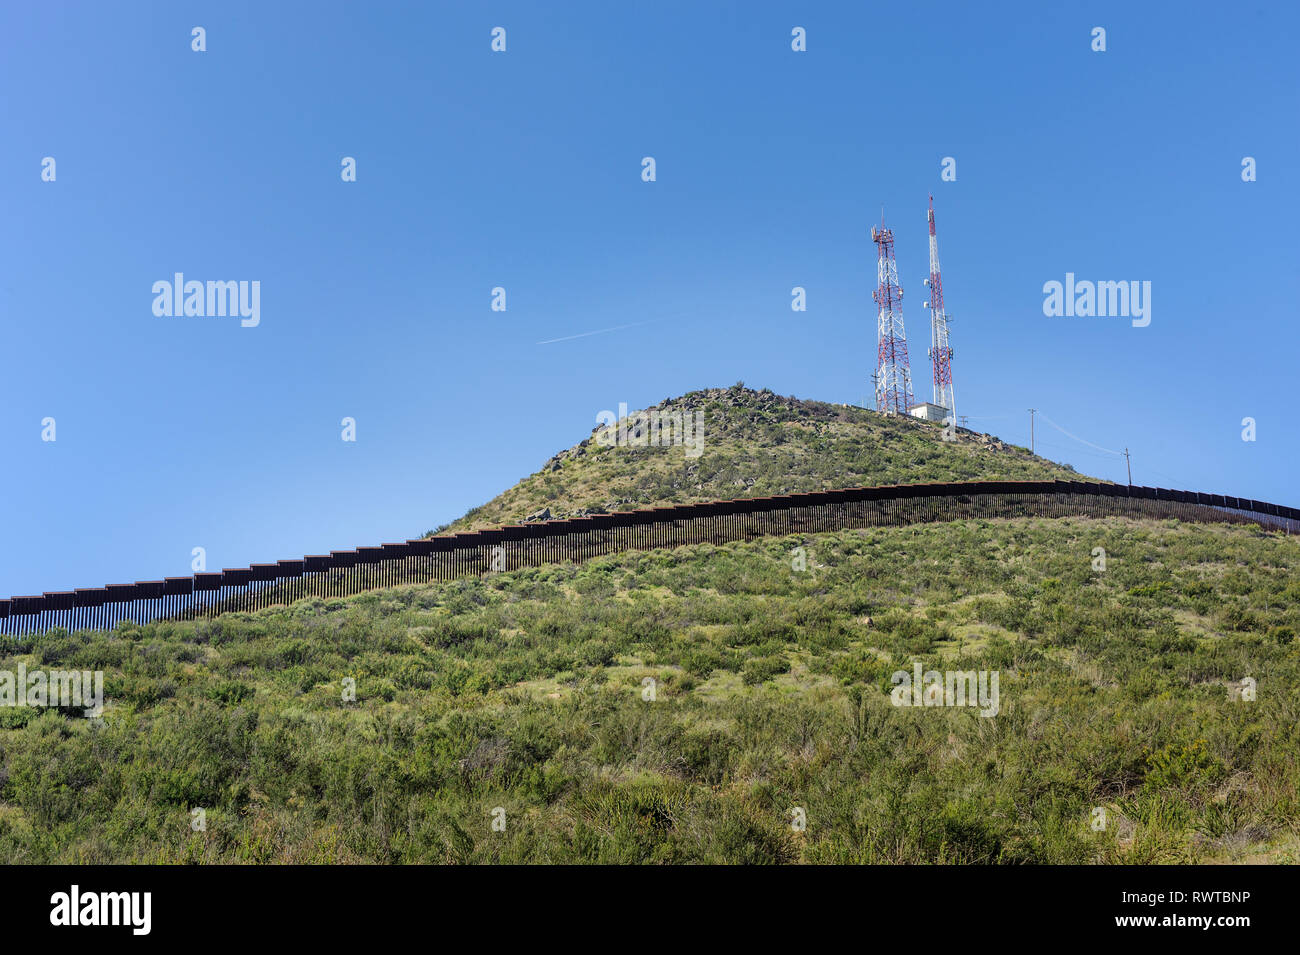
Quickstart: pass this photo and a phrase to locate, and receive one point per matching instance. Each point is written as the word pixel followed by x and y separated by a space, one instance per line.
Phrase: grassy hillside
pixel 757 443
pixel 524 693
pixel 681 705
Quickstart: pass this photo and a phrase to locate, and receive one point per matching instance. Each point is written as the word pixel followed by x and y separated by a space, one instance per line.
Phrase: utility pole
pixel 1031 429
pixel 1130 467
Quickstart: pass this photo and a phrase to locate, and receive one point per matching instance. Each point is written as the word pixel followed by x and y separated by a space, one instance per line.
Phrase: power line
pixel 1074 452
pixel 1079 439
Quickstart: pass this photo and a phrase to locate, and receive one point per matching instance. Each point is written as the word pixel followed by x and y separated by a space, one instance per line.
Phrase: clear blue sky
pixel 523 170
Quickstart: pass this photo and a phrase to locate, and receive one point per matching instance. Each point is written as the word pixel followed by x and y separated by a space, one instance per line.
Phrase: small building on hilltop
pixel 928 411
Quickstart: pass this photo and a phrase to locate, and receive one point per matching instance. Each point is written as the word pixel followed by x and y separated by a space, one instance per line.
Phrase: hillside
pixel 756 443
pixel 524 694
pixel 679 705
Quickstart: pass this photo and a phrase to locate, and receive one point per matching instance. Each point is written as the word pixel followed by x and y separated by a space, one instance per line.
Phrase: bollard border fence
pixel 509 547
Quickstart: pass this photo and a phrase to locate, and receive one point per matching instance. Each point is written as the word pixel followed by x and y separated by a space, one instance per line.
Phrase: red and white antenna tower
pixel 940 351
pixel 893 376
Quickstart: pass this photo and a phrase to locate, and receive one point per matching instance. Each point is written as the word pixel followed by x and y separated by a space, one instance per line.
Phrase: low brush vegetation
pixel 521 698
pixel 756 444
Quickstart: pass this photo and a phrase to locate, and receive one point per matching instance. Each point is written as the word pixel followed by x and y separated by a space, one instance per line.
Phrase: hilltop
pixel 755 444
pixel 678 705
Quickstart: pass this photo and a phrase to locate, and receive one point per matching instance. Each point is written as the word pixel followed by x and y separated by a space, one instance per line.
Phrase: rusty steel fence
pixel 474 553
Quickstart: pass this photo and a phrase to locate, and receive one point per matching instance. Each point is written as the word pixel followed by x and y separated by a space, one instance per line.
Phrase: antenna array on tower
pixel 940 350
pixel 893 378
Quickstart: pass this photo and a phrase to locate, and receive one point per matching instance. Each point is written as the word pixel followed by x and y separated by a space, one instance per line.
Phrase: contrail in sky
pixel 599 331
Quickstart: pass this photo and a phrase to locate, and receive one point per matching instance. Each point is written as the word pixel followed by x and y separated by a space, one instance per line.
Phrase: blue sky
pixel 522 170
